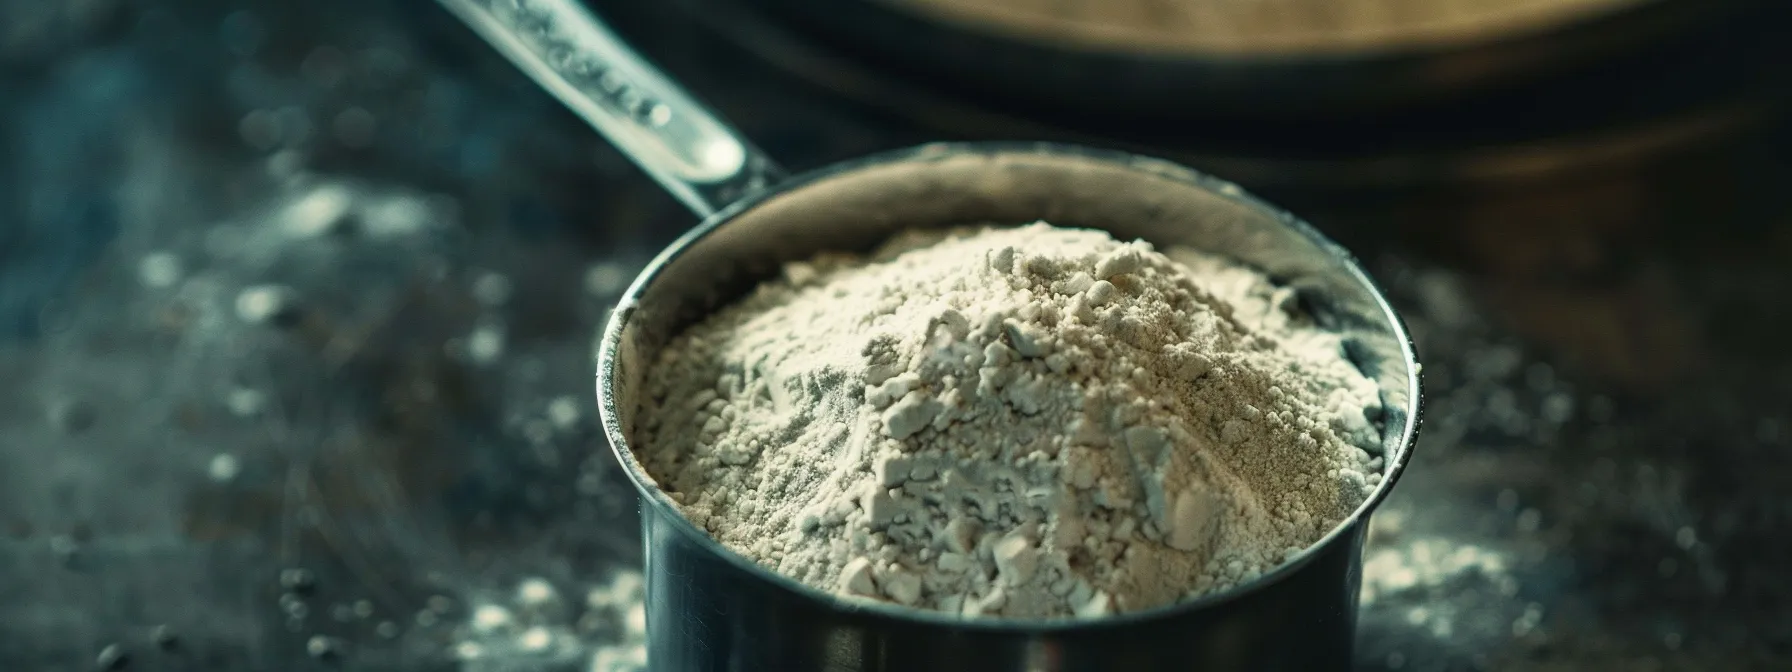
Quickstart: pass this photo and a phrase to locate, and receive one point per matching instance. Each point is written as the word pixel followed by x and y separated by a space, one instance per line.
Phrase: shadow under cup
pixel 709 608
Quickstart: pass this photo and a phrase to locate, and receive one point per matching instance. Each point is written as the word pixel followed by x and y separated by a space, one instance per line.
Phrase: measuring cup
pixel 709 608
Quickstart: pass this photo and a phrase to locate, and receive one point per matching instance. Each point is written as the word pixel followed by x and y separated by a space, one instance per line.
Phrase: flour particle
pixel 1027 422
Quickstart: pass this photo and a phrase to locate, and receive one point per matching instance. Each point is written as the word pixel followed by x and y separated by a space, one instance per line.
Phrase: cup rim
pixel 652 496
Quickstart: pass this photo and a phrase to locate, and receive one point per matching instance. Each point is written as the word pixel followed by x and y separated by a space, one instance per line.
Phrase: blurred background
pixel 297 303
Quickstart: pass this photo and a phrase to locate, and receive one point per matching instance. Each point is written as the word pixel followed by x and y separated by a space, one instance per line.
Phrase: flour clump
pixel 1027 422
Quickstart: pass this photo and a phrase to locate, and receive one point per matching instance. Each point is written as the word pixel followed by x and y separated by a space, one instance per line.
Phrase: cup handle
pixel 570 52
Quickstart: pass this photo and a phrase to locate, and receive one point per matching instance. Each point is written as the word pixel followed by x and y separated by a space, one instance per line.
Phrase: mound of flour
pixel 1020 422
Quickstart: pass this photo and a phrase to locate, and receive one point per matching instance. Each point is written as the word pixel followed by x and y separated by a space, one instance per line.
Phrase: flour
pixel 1020 422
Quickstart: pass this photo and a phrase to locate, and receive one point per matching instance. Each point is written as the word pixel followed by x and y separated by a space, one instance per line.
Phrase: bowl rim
pixel 1536 22
pixel 660 502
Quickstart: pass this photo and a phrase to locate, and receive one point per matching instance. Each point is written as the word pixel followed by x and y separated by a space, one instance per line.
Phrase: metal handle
pixel 571 53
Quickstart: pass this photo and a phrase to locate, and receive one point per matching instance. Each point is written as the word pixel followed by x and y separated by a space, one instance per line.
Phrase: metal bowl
pixel 1638 113
pixel 1112 80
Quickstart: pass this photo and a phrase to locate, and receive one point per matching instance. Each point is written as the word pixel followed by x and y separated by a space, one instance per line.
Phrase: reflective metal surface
pixel 574 56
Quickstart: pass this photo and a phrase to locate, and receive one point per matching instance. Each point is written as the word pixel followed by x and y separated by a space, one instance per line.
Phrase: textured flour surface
pixel 1021 422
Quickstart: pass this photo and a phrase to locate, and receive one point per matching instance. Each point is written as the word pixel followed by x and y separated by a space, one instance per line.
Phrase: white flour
pixel 1021 422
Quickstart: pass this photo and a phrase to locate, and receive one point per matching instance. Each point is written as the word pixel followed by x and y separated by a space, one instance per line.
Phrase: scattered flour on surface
pixel 1029 422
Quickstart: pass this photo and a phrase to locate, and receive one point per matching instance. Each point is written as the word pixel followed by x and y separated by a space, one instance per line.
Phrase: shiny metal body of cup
pixel 709 608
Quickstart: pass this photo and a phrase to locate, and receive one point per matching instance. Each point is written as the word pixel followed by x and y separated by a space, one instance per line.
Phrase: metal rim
pixel 1527 34
pixel 653 496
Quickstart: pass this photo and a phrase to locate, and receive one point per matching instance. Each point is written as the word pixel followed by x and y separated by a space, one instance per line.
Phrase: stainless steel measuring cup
pixel 709 608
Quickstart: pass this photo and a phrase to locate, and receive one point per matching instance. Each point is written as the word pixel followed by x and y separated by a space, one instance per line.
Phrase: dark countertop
pixel 296 306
